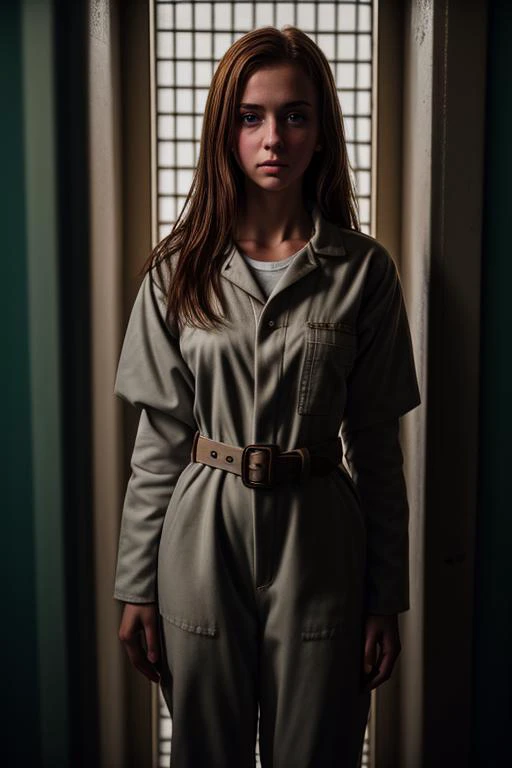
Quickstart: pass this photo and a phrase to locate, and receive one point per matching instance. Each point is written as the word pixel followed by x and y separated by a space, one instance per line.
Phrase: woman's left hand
pixel 378 663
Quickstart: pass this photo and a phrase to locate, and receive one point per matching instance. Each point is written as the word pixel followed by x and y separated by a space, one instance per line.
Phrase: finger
pixel 147 670
pixel 370 651
pixel 138 657
pixel 133 648
pixel 152 640
pixel 385 669
pixel 382 651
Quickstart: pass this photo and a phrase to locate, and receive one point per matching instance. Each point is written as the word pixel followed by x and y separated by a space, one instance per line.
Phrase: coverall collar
pixel 327 240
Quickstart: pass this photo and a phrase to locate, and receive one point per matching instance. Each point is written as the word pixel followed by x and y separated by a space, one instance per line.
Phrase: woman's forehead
pixel 278 82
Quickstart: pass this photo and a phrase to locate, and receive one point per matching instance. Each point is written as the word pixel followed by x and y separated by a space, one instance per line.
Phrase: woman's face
pixel 277 120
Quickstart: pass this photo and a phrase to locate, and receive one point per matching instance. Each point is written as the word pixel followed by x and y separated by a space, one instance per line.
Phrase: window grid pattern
pixel 189 40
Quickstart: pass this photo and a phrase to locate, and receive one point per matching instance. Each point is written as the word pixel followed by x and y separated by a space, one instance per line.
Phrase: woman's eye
pixel 296 114
pixel 244 117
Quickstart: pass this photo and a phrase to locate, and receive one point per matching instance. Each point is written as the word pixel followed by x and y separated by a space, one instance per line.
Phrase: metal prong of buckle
pixel 194 446
pixel 272 450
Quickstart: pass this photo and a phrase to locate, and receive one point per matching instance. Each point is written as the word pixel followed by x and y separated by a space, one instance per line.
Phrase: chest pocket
pixel 330 349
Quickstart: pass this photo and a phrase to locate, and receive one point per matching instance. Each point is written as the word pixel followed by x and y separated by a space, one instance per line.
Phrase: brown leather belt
pixel 263 465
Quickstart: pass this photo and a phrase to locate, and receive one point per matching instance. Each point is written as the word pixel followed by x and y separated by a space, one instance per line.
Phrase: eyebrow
pixel 288 104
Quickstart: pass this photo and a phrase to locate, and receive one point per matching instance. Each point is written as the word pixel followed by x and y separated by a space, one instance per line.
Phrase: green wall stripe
pixel 493 577
pixel 20 674
pixel 43 293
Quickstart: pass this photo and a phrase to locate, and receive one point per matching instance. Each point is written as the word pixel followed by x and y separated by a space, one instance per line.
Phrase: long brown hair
pixel 203 232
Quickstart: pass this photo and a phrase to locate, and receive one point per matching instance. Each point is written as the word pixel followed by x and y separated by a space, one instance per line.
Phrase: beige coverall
pixel 262 593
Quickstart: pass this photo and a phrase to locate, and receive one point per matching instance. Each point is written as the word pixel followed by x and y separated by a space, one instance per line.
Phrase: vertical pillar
pixel 493 574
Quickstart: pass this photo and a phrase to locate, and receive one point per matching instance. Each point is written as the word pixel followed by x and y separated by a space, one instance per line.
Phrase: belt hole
pixel 213 454
pixel 229 458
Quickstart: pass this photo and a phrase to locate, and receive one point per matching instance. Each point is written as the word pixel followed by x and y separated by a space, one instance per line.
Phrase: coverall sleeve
pixel 152 376
pixel 382 387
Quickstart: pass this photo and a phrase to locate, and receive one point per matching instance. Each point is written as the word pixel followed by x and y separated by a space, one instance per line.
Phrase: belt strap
pixel 263 465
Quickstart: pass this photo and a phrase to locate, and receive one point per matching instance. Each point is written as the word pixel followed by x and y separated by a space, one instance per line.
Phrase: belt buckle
pixel 270 450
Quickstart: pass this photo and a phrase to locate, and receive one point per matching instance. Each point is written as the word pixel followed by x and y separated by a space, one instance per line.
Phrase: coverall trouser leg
pixel 312 709
pixel 288 600
pixel 311 713
pixel 212 697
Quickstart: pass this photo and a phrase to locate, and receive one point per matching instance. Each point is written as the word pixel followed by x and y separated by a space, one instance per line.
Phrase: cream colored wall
pixel 106 308
pixel 387 218
pixel 415 272
pixel 428 211
pixel 135 116
pixel 442 201
pixel 120 158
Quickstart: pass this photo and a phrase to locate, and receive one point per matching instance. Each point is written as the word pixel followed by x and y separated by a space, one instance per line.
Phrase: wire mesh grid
pixel 189 40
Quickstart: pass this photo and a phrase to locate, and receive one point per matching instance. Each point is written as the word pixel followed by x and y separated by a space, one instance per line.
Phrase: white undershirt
pixel 268 273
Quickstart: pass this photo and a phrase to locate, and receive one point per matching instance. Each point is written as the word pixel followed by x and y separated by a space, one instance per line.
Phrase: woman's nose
pixel 272 137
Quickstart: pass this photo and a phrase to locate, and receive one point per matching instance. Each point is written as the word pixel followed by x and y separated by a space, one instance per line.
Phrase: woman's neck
pixel 267 227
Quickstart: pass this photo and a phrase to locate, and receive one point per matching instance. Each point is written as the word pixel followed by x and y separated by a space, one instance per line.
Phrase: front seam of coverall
pixel 264 519
pixel 262 593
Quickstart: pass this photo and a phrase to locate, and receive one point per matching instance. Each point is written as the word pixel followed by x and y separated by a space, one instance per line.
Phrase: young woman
pixel 257 574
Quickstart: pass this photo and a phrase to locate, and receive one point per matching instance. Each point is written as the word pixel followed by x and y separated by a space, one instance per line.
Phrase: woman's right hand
pixel 141 619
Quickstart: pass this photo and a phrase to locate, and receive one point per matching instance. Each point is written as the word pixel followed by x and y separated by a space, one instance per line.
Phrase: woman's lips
pixel 273 167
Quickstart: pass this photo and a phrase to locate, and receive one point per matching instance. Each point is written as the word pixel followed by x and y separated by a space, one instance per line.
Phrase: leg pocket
pixel 196 627
pixel 320 632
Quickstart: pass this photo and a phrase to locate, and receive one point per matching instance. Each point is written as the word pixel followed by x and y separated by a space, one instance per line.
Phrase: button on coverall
pixel 262 593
